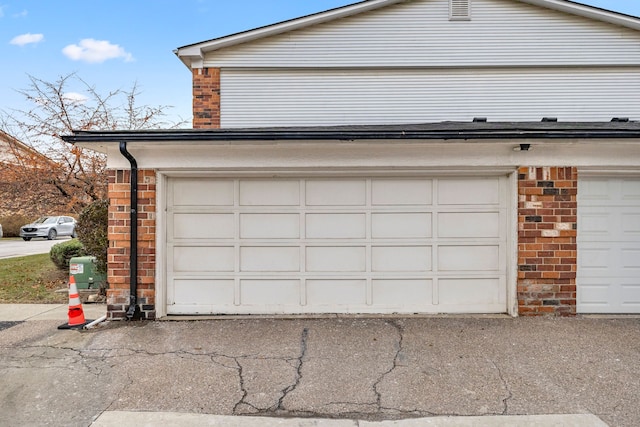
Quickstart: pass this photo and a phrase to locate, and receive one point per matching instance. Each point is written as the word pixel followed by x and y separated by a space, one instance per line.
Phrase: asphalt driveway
pixel 364 368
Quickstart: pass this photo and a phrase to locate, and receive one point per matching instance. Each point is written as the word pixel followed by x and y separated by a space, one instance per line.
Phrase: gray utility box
pixel 85 273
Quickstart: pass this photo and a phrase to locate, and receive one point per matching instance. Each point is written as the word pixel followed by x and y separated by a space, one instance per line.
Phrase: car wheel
pixel 26 239
pixel 74 234
pixel 52 234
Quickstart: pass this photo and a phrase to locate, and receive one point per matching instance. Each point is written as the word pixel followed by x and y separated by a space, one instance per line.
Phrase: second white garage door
pixel 608 279
pixel 348 245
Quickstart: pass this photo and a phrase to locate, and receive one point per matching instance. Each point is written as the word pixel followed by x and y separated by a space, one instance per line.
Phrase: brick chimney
pixel 206 98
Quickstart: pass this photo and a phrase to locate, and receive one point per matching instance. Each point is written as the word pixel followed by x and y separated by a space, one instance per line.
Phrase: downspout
pixel 134 310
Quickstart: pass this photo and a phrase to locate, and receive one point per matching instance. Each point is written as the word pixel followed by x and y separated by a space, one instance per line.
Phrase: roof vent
pixel 459 10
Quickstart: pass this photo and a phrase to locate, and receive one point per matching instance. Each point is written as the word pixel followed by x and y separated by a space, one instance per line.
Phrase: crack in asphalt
pixel 400 329
pixel 279 405
pixel 377 405
pixel 243 389
pixel 303 352
pixel 243 405
pixel 505 384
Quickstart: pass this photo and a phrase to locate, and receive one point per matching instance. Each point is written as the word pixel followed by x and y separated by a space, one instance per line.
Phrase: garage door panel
pixel 618 296
pixel 336 193
pixel 202 192
pixel 199 259
pixel 598 260
pixel 630 222
pixel 269 226
pixel 401 225
pixel 401 258
pixel 607 192
pixel 403 192
pixel 630 192
pixel 336 245
pixel 631 293
pixel 270 259
pixel 469 258
pixel 336 258
pixel 464 291
pixel 336 226
pixel 336 292
pixel 595 260
pixel 203 291
pixel 270 292
pixel 610 224
pixel 595 293
pixel 595 190
pixel 269 193
pixel 595 223
pixel 203 226
pixel 403 292
pixel 469 192
pixel 469 225
pixel 630 260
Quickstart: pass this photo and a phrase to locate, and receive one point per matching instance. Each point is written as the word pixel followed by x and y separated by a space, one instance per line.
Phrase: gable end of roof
pixel 193 55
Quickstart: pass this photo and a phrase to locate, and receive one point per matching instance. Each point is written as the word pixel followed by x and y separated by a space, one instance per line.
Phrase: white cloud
pixel 22 14
pixel 25 39
pixel 75 97
pixel 2 10
pixel 95 51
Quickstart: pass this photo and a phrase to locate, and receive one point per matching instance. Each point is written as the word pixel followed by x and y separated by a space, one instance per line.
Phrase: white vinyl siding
pixel 420 34
pixel 608 279
pixel 336 245
pixel 351 97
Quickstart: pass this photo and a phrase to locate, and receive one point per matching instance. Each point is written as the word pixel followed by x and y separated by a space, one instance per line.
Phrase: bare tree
pixel 71 175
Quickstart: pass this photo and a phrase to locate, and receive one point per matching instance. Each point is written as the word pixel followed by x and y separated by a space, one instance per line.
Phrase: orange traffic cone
pixel 76 314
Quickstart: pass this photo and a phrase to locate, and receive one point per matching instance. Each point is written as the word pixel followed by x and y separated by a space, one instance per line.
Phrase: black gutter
pixel 449 133
pixel 133 311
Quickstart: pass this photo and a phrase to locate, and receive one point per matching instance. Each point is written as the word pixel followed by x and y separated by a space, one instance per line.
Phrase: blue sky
pixel 113 43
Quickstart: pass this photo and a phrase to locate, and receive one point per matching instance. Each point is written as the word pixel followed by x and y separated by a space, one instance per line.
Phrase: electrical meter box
pixel 85 273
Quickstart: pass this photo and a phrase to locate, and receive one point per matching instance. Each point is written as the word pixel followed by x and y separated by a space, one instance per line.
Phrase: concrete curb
pixel 152 419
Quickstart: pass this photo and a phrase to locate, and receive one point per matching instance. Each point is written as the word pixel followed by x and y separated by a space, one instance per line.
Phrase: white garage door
pixel 608 278
pixel 352 245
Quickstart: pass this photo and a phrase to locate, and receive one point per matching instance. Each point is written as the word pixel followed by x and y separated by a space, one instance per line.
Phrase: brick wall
pixel 206 98
pixel 547 250
pixel 119 249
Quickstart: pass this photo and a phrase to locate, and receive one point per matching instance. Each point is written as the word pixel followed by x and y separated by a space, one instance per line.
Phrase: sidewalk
pixel 153 419
pixel 24 312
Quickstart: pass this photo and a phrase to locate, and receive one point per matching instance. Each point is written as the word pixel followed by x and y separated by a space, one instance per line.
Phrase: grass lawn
pixel 31 279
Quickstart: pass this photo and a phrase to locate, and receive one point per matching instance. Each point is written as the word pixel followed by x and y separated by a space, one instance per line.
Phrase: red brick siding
pixel 547 250
pixel 119 236
pixel 206 98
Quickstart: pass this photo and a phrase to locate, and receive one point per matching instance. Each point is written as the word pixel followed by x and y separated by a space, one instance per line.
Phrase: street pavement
pixel 327 371
pixel 11 248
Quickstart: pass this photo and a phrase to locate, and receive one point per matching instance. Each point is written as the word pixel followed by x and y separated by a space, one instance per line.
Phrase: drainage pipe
pixel 95 322
pixel 133 309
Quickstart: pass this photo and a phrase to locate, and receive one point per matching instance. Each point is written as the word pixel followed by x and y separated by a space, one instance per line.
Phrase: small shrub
pixel 61 253
pixel 92 230
pixel 11 224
